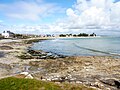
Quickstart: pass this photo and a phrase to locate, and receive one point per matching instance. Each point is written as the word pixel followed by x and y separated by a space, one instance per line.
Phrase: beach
pixel 100 72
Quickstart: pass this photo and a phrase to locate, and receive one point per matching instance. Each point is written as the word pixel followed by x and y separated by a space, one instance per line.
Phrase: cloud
pixel 84 16
pixel 28 9
pixel 115 12
pixel 94 15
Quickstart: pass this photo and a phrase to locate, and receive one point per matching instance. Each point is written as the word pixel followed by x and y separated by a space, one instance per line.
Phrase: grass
pixel 13 83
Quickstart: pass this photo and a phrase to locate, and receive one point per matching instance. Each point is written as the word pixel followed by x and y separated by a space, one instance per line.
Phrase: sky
pixel 60 16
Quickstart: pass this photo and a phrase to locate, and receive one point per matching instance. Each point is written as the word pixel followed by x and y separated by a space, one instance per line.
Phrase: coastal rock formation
pixel 112 82
pixel 38 54
pixel 6 47
pixel 101 72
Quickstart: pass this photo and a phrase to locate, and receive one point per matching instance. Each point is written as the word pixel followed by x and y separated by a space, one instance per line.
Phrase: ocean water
pixel 98 46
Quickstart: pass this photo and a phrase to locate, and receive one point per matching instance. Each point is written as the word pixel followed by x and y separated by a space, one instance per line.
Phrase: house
pixel 8 34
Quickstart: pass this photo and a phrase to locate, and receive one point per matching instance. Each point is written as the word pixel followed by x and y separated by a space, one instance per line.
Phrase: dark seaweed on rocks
pixel 39 54
pixel 25 56
pixel 2 54
pixel 5 48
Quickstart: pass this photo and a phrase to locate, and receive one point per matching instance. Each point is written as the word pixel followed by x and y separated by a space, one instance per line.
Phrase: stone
pixel 111 82
pixel 5 66
pixel 43 57
pixel 78 82
pixel 24 73
pixel 29 76
pixel 99 85
pixel 117 83
pixel 34 63
pixel 6 47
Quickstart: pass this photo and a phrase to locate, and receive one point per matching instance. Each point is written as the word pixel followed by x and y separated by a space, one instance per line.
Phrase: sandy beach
pixel 101 72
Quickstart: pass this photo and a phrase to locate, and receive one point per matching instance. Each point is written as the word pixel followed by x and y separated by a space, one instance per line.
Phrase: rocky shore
pixel 19 60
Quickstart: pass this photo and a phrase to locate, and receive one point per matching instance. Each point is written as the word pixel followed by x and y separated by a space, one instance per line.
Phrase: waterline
pixel 81 46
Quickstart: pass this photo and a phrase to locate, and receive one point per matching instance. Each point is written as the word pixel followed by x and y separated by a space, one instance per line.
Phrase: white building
pixel 7 34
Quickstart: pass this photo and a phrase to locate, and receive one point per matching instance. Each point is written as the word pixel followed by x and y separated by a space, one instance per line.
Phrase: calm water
pixel 81 46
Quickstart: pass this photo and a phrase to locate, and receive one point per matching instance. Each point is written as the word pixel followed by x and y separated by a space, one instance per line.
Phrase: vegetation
pixel 1 37
pixel 62 35
pixel 12 83
pixel 26 84
pixel 93 34
pixel 77 35
pixel 83 34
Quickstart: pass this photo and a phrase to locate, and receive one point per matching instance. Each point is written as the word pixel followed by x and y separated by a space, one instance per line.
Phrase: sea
pixel 86 46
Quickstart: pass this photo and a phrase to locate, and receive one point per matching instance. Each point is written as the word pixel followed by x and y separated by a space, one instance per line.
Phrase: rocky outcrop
pixel 38 54
pixel 6 47
pixel 111 82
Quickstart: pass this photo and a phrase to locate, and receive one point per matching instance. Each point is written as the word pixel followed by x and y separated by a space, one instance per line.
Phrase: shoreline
pixel 87 70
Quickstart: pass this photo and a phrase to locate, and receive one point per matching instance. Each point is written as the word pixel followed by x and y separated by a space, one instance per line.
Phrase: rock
pixel 29 76
pixel 6 47
pixel 117 83
pixel 111 82
pixel 49 54
pixel 5 66
pixel 3 72
pixel 78 82
pixel 25 56
pixel 34 52
pixel 34 63
pixel 34 68
pixel 38 54
pixel 99 85
pixel 24 75
pixel 41 57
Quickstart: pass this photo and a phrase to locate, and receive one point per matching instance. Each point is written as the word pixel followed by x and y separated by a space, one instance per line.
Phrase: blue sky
pixel 60 16
pixel 58 4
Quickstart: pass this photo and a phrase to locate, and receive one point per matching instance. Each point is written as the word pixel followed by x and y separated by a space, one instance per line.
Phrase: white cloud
pixel 28 9
pixel 94 15
pixel 115 12
pixel 85 16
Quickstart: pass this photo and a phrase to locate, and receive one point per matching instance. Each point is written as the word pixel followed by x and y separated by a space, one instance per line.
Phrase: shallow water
pixel 98 46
